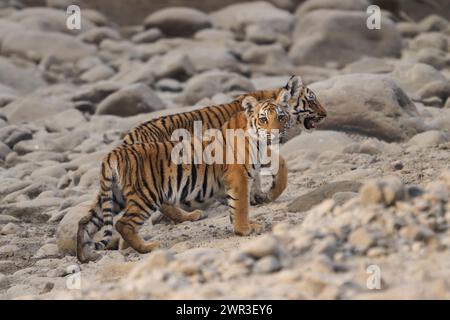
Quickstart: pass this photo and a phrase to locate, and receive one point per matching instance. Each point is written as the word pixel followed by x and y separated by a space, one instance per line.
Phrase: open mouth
pixel 311 122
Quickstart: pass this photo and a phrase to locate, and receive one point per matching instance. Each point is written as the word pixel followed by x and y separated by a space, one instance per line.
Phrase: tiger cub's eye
pixel 263 119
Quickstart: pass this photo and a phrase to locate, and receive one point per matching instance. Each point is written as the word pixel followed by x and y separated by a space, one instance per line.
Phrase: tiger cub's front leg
pixel 237 191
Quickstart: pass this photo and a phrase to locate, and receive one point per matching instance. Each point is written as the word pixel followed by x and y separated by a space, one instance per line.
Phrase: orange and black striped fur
pixel 142 178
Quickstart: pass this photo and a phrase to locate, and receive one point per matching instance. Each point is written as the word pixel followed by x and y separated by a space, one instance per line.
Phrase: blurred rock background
pixel 367 188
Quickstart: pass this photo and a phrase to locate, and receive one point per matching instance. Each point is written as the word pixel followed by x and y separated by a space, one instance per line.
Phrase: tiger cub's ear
pixel 294 86
pixel 249 103
pixel 284 96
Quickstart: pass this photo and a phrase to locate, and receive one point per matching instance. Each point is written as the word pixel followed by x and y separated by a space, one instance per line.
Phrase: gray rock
pixel 66 233
pixel 10 228
pixel 378 106
pixel 66 120
pixel 131 100
pixel 238 17
pixel 48 250
pixel 6 98
pixel 97 35
pixel 209 83
pixel 413 76
pixel 178 21
pixel 88 63
pixel 208 55
pixel 265 34
pixel 349 5
pixel 131 72
pixel 312 198
pixel 170 85
pixel 361 239
pixel 9 249
pixel 273 54
pixel 60 143
pixel 439 89
pixel 385 191
pixel 263 246
pixel 447 104
pixel 36 46
pixel 174 65
pixel 216 35
pixel 96 92
pixel 433 102
pixel 4 150
pixel 23 80
pixel 7 27
pixel 48 20
pixel 56 171
pixel 342 197
pixel 434 40
pixel 369 65
pixel 4 282
pixel 408 29
pixel 39 156
pixel 316 41
pixel 317 141
pixel 433 22
pixel 101 72
pixel 10 135
pixel 147 36
pixel 433 57
pixel 267 264
pixel 35 106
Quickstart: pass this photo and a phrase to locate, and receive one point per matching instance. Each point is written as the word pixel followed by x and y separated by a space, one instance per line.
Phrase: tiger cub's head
pixel 306 110
pixel 269 118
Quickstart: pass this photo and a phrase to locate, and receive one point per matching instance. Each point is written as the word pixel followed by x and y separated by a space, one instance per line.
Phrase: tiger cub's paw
pixel 246 230
pixel 198 215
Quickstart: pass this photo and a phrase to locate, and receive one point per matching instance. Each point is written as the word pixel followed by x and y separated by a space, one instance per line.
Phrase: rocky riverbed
pixel 366 211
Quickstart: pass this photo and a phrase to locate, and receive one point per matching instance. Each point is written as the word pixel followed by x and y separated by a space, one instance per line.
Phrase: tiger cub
pixel 143 178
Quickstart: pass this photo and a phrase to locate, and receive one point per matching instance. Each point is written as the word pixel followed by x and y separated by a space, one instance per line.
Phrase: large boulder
pixel 131 100
pixel 178 21
pixel 340 36
pixel 37 45
pixel 368 104
pixel 238 17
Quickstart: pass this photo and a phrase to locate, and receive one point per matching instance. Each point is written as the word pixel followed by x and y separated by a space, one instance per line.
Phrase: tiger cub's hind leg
pixel 128 227
pixel 179 215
